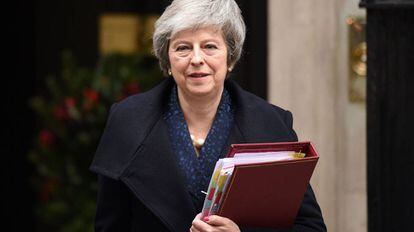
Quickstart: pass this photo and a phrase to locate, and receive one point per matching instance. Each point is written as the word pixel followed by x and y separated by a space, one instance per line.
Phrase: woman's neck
pixel 199 112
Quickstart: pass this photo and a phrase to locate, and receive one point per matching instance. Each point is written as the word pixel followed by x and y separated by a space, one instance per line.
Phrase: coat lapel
pixel 155 179
pixel 256 120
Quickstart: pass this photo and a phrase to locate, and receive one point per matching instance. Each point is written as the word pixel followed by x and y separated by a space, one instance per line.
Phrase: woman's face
pixel 198 60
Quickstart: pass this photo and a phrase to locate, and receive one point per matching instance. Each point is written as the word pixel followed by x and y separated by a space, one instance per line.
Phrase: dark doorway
pixel 390 121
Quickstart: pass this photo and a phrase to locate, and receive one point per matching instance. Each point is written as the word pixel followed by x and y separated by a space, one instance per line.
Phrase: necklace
pixel 197 143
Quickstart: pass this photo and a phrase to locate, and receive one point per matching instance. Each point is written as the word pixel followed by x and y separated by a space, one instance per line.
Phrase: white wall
pixel 308 75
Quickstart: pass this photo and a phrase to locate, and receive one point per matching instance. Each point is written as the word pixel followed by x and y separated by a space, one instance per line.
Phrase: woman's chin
pixel 201 90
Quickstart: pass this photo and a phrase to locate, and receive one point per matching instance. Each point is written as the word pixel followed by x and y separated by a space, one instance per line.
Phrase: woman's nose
pixel 197 58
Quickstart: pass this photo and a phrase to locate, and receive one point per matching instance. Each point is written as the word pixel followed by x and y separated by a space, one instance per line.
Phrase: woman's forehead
pixel 203 32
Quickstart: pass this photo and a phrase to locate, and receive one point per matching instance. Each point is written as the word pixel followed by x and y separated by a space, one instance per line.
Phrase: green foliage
pixel 71 116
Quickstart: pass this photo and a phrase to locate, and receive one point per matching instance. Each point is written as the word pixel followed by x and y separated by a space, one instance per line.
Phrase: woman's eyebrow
pixel 210 40
pixel 185 41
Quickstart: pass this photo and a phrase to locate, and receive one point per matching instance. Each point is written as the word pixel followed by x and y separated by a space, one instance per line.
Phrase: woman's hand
pixel 213 223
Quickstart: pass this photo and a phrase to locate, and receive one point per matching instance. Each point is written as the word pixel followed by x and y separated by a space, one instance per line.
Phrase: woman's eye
pixel 182 48
pixel 210 46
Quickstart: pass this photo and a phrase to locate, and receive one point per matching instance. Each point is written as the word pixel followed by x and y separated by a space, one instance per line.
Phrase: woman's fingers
pixel 213 223
pixel 198 216
pixel 216 220
pixel 192 229
pixel 222 223
pixel 199 225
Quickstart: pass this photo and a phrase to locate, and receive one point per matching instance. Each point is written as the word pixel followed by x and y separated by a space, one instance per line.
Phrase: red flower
pixel 61 113
pixel 70 102
pixel 91 95
pixel 46 138
pixel 131 88
pixel 91 99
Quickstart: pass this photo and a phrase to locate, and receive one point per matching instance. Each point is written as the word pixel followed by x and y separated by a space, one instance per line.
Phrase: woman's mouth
pixel 198 74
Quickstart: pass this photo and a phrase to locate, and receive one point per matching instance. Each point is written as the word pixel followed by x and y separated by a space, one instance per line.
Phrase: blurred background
pixel 73 59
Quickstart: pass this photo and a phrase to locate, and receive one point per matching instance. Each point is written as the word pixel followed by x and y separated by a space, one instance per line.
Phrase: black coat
pixel 140 184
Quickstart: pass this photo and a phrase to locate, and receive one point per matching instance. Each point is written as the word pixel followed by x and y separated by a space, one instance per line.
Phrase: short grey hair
pixel 225 15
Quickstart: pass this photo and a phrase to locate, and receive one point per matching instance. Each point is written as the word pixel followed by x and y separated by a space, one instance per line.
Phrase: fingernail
pixel 205 219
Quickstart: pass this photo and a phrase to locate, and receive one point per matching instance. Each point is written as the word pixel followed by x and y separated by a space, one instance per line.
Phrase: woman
pixel 159 148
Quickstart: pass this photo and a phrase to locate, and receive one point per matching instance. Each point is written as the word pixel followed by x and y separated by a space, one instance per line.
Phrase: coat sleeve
pixel 309 216
pixel 113 211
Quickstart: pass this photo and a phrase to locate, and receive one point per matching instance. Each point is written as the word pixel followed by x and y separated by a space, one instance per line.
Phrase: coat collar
pixel 135 148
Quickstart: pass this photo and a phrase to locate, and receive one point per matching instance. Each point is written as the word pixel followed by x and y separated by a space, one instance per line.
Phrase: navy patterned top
pixel 197 170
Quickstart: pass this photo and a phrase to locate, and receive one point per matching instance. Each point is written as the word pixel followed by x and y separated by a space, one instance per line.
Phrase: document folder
pixel 267 194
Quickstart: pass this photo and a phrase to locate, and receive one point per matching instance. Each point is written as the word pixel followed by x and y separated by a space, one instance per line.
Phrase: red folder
pixel 268 194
